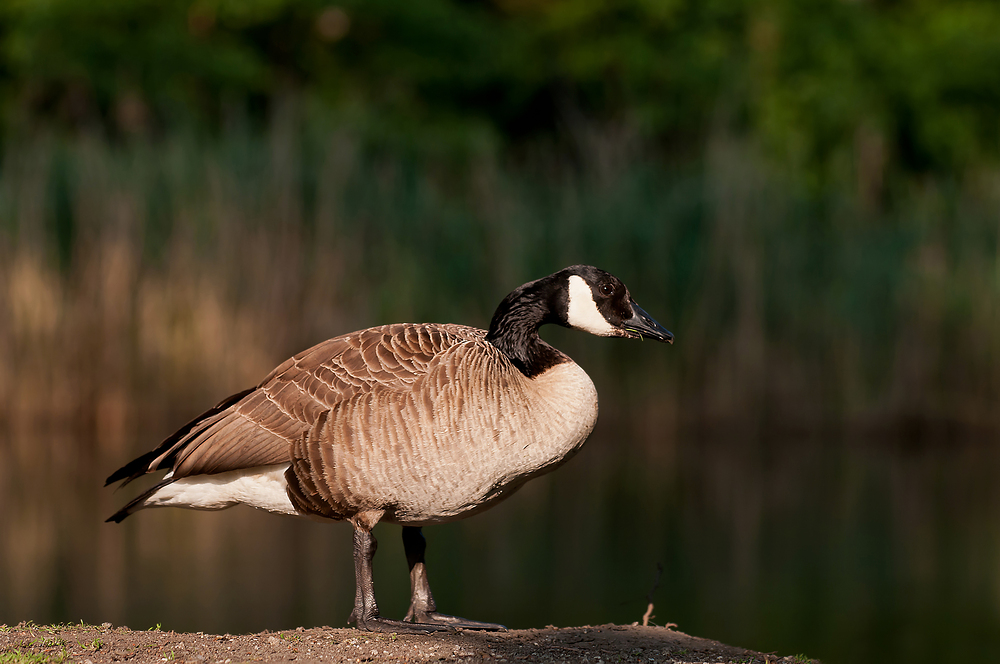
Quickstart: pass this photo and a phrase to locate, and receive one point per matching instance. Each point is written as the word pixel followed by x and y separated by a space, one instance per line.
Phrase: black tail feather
pixel 134 468
pixel 136 503
pixel 140 466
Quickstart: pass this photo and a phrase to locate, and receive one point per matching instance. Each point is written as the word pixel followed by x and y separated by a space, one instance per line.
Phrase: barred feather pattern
pixel 470 432
pixel 426 422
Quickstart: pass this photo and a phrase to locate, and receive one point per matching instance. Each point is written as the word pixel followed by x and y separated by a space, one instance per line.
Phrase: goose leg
pixel 365 614
pixel 423 610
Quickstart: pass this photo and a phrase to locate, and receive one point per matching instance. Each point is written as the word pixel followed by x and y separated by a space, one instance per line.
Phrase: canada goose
pixel 412 424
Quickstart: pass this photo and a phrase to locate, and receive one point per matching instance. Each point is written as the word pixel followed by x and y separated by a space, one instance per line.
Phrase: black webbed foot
pixel 387 626
pixel 451 622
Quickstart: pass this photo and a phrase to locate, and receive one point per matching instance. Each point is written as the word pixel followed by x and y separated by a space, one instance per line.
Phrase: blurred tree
pixel 836 89
pixel 914 82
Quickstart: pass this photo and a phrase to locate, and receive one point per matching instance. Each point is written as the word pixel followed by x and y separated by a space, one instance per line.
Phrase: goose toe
pixel 452 622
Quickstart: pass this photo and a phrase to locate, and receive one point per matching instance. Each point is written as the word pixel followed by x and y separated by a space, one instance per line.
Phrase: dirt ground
pixel 90 644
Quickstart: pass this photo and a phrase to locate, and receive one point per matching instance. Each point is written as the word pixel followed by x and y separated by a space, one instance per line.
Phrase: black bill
pixel 642 326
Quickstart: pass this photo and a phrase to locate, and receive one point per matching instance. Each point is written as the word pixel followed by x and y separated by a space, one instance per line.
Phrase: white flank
pixel 582 312
pixel 262 487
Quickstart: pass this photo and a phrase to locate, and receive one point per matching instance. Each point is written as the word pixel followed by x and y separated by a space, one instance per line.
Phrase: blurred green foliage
pixel 812 185
pixel 846 90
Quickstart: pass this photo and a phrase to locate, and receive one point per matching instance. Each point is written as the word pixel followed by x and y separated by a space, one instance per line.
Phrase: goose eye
pixel 606 289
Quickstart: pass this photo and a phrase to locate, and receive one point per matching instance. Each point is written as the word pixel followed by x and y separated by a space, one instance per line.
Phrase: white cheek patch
pixel 582 312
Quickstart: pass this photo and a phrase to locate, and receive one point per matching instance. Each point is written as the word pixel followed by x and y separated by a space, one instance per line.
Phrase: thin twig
pixel 656 584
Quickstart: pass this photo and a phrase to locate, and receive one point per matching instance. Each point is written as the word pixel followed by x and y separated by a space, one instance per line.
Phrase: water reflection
pixel 848 550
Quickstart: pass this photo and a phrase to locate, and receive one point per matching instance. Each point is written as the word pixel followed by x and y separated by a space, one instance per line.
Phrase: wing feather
pixel 268 424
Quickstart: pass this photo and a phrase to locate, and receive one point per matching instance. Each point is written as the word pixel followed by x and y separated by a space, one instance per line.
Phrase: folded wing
pixel 257 427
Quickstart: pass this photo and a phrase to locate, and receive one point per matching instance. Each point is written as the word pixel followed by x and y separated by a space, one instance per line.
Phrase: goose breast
pixel 465 431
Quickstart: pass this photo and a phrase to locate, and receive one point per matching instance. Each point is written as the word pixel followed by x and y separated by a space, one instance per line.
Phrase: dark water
pixel 849 550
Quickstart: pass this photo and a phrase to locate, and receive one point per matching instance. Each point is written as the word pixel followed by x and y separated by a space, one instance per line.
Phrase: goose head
pixel 599 303
pixel 582 297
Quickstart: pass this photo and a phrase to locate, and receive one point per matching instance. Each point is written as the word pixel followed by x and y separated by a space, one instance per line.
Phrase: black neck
pixel 514 328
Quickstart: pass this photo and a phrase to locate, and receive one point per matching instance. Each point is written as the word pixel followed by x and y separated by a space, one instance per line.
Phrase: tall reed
pixel 147 278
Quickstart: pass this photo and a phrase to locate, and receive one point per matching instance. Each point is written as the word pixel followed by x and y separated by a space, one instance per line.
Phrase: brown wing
pixel 257 427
